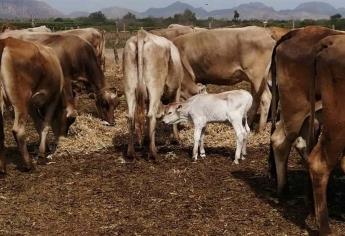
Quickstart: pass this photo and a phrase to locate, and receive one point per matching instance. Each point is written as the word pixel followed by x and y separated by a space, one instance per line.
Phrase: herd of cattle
pixel 165 73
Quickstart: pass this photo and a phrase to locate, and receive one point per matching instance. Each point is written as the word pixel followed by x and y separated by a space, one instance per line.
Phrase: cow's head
pixel 106 104
pixel 190 89
pixel 173 114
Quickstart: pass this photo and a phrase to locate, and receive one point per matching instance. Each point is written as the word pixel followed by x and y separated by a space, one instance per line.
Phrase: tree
pixel 236 15
pixel 97 16
pixel 335 17
pixel 188 17
pixel 129 17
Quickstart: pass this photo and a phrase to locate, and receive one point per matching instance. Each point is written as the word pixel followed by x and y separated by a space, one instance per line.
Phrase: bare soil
pixel 89 189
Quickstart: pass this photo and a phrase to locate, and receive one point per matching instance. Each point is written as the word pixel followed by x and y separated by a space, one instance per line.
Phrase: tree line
pixel 130 22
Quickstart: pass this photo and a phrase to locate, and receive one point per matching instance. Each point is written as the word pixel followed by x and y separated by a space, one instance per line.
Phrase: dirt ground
pixel 88 188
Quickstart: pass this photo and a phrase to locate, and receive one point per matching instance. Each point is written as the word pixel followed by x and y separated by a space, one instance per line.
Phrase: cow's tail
pixel 273 69
pixel 141 92
pixel 2 102
pixel 188 68
pixel 102 49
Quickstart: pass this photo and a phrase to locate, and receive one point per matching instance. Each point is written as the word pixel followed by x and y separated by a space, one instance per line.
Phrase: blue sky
pixel 141 5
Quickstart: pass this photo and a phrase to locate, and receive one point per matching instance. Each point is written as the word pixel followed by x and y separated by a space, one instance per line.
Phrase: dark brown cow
pixel 330 75
pixel 78 60
pixel 292 69
pixel 95 37
pixel 32 83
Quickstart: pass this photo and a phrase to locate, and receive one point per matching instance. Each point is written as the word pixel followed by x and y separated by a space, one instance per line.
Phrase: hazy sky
pixel 142 5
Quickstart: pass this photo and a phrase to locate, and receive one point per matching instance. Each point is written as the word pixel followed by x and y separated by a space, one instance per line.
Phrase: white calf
pixel 231 106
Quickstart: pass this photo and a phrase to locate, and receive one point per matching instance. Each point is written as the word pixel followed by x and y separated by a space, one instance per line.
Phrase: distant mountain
pixel 175 8
pixel 10 9
pixel 117 12
pixel 77 14
pixel 254 10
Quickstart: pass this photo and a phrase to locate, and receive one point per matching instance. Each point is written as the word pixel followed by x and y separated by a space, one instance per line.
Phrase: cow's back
pixel 218 53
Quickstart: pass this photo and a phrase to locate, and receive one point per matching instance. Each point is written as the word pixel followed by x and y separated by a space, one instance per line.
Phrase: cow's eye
pixel 170 112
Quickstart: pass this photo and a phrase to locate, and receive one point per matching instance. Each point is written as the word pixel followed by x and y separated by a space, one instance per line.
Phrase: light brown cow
pixel 330 71
pixel 95 37
pixel 292 70
pixel 174 31
pixel 32 83
pixel 152 75
pixel 229 56
pixel 78 60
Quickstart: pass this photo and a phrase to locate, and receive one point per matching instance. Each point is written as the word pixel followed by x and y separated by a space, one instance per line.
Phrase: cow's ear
pixel 39 98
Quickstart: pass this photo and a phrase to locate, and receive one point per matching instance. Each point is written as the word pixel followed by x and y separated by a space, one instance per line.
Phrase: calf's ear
pixel 179 107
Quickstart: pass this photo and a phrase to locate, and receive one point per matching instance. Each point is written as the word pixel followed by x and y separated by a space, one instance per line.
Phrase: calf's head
pixel 106 104
pixel 173 114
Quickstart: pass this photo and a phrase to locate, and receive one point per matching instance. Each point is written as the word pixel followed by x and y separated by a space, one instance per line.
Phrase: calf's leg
pixel 197 136
pixel 240 133
pixel 247 132
pixel 202 144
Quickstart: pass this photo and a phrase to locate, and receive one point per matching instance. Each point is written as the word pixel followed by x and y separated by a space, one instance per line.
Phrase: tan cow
pixel 78 60
pixel 95 37
pixel 229 56
pixel 292 70
pixel 173 31
pixel 330 71
pixel 32 83
pixel 152 75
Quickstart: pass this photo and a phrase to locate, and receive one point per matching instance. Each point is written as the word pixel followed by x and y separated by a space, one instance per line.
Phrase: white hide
pixel 201 109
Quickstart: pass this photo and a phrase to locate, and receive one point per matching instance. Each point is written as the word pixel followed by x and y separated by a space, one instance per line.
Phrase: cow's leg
pixel 240 133
pixel 202 143
pixel 321 161
pixel 281 149
pixel 153 109
pixel 264 108
pixel 197 135
pixel 175 128
pixel 18 131
pixel 131 102
pixel 2 146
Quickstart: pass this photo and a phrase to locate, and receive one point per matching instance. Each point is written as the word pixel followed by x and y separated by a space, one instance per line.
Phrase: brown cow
pixel 78 60
pixel 95 37
pixel 152 74
pixel 292 69
pixel 32 83
pixel 330 71
pixel 229 56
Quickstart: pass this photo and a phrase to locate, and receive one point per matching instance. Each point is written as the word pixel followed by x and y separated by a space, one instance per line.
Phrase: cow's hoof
pixel 236 162
pixel 243 158
pixel 27 167
pixel 203 155
pixel 153 156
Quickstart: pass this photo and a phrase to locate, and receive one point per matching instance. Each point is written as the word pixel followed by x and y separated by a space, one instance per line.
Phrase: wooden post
pixel 293 24
pixel 333 27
